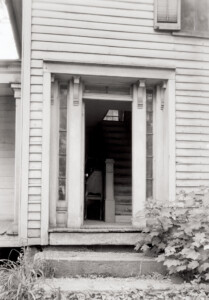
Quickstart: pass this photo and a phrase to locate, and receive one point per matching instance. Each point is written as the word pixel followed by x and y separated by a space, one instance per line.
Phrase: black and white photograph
pixel 104 149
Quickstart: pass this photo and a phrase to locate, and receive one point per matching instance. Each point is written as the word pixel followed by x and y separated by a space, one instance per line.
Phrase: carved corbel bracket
pixel 52 91
pixel 163 89
pixel 54 88
pixel 76 88
pixel 141 93
pixel 16 87
pixel 52 78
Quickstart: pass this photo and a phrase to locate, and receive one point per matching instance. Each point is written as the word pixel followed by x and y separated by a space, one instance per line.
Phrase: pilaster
pixel 75 172
pixel 18 121
pixel 139 154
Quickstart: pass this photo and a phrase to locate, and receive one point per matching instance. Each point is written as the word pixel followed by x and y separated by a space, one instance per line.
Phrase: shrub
pixel 178 235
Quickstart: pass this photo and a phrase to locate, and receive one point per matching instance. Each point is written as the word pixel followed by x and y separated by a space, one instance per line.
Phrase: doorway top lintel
pixel 107 97
pixel 129 72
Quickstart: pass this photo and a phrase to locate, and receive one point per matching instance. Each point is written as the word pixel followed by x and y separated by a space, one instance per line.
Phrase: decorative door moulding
pixel 141 93
pixel 76 74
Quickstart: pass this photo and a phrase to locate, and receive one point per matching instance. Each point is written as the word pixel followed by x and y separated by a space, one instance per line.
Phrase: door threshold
pixel 98 227
pixel 103 224
pixel 90 235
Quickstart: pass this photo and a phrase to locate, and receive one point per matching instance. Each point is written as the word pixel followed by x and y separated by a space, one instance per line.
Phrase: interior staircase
pixel 117 140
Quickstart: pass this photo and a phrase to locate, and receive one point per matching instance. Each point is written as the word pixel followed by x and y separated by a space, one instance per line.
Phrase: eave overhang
pixel 15 14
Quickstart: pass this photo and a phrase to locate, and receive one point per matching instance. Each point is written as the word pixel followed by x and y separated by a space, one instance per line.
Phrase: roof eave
pixel 15 28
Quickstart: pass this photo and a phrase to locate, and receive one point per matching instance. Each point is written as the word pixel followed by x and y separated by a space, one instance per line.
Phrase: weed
pixel 20 280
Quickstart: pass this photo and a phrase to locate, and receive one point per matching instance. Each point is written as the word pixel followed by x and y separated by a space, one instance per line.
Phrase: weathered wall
pixel 121 32
pixel 7 154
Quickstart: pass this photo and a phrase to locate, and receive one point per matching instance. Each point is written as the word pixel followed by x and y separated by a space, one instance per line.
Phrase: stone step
pixel 101 263
pixel 129 288
pixel 99 234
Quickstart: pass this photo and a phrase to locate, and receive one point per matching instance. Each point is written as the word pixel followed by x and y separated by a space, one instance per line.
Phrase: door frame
pixel 136 74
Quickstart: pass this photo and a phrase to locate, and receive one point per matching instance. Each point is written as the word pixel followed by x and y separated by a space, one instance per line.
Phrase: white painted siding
pixel 7 154
pixel 120 32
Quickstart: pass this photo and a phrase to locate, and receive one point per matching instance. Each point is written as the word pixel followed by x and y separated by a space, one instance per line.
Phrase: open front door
pixel 108 165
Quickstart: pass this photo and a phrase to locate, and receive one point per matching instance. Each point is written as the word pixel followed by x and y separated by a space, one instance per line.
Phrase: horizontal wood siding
pixel 120 32
pixel 7 154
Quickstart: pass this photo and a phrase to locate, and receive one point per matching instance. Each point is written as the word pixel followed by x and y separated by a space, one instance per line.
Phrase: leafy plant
pixel 19 280
pixel 178 235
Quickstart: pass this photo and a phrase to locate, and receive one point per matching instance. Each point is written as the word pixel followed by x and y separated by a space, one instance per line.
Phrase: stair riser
pixel 118 146
pixel 122 189
pixel 122 147
pixel 67 268
pixel 114 135
pixel 120 156
pixel 113 130
pixel 112 124
pixel 122 171
pixel 121 180
pixel 123 198
pixel 122 164
pixel 118 142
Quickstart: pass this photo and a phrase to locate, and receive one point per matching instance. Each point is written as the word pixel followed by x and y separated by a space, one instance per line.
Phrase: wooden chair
pixel 94 191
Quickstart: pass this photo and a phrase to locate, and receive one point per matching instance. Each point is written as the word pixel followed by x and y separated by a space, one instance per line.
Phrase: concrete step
pixel 129 288
pixel 101 263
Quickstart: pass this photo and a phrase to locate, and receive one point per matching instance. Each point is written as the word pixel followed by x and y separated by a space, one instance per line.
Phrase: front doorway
pixel 101 154
pixel 108 145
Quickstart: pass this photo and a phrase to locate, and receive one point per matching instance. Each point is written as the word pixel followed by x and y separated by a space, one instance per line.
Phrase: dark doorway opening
pixel 107 136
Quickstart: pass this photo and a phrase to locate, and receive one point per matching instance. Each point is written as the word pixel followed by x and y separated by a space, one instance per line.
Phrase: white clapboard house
pixel 107 107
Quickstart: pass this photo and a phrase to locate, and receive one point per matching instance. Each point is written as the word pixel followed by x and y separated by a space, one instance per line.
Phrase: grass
pixel 21 280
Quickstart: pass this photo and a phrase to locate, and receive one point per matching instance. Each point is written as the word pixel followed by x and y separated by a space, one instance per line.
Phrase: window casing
pixel 183 17
pixel 167 15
